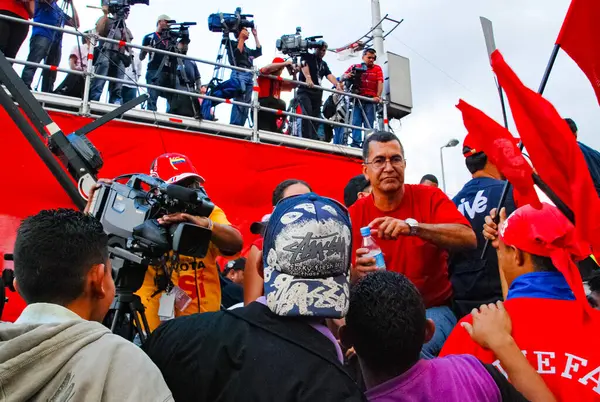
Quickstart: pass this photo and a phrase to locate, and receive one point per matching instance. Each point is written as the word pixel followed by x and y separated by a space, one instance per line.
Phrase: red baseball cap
pixel 278 60
pixel 548 233
pixel 173 168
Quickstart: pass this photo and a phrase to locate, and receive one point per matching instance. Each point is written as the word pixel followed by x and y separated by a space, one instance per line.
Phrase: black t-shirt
pixel 507 391
pixel 318 70
pixel 243 59
pixel 474 281
pixel 158 41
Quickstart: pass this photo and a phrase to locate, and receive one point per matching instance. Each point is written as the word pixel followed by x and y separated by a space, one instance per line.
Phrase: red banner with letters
pixel 240 175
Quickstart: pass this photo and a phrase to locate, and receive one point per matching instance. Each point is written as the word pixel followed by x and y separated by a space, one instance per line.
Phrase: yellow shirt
pixel 205 283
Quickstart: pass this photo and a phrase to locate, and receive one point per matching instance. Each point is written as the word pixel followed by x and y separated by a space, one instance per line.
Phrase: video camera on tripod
pixel 128 212
pixel 293 45
pixel 179 31
pixel 117 7
pixel 230 23
pixel 354 81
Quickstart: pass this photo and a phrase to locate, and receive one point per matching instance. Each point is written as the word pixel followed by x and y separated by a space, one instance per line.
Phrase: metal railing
pixel 89 75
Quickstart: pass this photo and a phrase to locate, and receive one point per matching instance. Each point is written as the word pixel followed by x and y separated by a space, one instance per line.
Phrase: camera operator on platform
pixel 313 70
pixel 371 86
pixel 198 278
pixel 112 59
pixel 157 40
pixel 269 94
pixel 241 56
pixel 183 105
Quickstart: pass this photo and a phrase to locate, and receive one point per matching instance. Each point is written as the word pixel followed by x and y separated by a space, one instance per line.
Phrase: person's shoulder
pixel 419 190
pixel 361 204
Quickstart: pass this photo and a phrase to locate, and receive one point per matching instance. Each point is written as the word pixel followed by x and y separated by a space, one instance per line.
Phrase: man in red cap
pixel 552 323
pixel 269 94
pixel 198 278
pixel 476 281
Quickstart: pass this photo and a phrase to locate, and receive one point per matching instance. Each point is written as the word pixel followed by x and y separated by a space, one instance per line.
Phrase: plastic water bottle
pixel 374 250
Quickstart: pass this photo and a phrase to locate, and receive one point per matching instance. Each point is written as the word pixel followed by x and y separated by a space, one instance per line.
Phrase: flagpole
pixel 549 68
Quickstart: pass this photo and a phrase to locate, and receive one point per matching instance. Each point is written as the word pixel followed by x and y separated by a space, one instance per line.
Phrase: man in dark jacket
pixel 476 281
pixel 277 348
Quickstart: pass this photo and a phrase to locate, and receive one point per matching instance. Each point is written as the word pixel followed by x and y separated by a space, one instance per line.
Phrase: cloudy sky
pixel 442 39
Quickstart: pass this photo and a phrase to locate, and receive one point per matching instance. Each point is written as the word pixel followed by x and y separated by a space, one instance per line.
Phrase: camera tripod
pixel 352 107
pixel 126 315
pixel 219 72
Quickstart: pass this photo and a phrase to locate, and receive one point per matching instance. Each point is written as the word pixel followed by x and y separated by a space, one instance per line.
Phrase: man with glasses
pixel 371 86
pixel 415 226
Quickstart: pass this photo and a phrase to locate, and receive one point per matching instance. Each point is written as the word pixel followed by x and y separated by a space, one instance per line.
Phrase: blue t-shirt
pixel 49 14
pixel 592 158
pixel 474 281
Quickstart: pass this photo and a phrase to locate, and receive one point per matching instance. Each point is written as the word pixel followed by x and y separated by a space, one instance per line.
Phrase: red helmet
pixel 173 168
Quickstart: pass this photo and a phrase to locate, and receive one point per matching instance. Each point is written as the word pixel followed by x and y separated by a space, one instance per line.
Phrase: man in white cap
pixel 154 72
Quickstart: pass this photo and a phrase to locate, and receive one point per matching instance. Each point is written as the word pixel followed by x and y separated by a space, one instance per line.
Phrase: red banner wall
pixel 240 175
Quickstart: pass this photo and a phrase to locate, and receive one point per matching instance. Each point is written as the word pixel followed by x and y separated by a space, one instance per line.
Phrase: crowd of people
pixel 307 299
pixel 125 64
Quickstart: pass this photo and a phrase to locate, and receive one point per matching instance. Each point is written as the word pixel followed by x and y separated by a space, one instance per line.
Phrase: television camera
pixel 294 45
pixel 128 213
pixel 117 7
pixel 179 31
pixel 354 80
pixel 226 23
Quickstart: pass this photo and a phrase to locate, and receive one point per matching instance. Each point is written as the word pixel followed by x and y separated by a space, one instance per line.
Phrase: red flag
pixel 579 37
pixel 501 149
pixel 553 150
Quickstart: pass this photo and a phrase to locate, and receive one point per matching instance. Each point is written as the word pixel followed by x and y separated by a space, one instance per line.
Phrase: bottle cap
pixel 365 232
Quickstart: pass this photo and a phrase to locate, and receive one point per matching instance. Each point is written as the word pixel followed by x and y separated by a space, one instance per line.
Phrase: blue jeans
pixel 359 120
pixel 239 114
pixel 128 93
pixel 338 135
pixel 153 79
pixel 445 321
pixel 110 68
pixel 42 48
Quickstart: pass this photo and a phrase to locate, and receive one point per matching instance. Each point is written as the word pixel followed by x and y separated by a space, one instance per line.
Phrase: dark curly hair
pixel 386 322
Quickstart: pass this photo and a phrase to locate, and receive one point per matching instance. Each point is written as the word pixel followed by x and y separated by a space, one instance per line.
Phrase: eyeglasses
pixel 380 161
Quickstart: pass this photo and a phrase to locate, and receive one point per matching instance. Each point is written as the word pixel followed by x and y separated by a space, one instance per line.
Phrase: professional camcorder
pixel 293 45
pixel 353 83
pixel 180 31
pixel 226 23
pixel 117 6
pixel 128 213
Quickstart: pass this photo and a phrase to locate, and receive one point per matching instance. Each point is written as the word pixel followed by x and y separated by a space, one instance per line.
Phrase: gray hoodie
pixel 72 361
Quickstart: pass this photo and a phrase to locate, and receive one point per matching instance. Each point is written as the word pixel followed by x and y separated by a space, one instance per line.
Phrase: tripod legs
pixel 128 309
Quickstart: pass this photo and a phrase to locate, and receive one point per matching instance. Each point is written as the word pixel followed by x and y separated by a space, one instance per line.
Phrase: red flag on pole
pixel 579 37
pixel 501 149
pixel 553 150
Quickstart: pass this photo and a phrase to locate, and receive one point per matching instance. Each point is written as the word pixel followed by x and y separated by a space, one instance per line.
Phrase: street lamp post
pixel 452 143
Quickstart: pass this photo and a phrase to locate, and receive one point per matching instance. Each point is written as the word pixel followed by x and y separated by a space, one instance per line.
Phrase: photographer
pixel 158 40
pixel 198 278
pixel 241 56
pixel 112 59
pixel 269 94
pixel 181 104
pixel 314 69
pixel 46 44
pixel 371 86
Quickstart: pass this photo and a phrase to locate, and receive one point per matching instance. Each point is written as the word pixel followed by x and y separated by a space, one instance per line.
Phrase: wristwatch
pixel 413 224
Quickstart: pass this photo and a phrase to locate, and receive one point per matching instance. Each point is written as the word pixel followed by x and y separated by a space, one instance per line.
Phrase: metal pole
pixel 85 104
pixel 549 68
pixel 378 44
pixel 378 31
pixel 255 105
pixel 443 174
